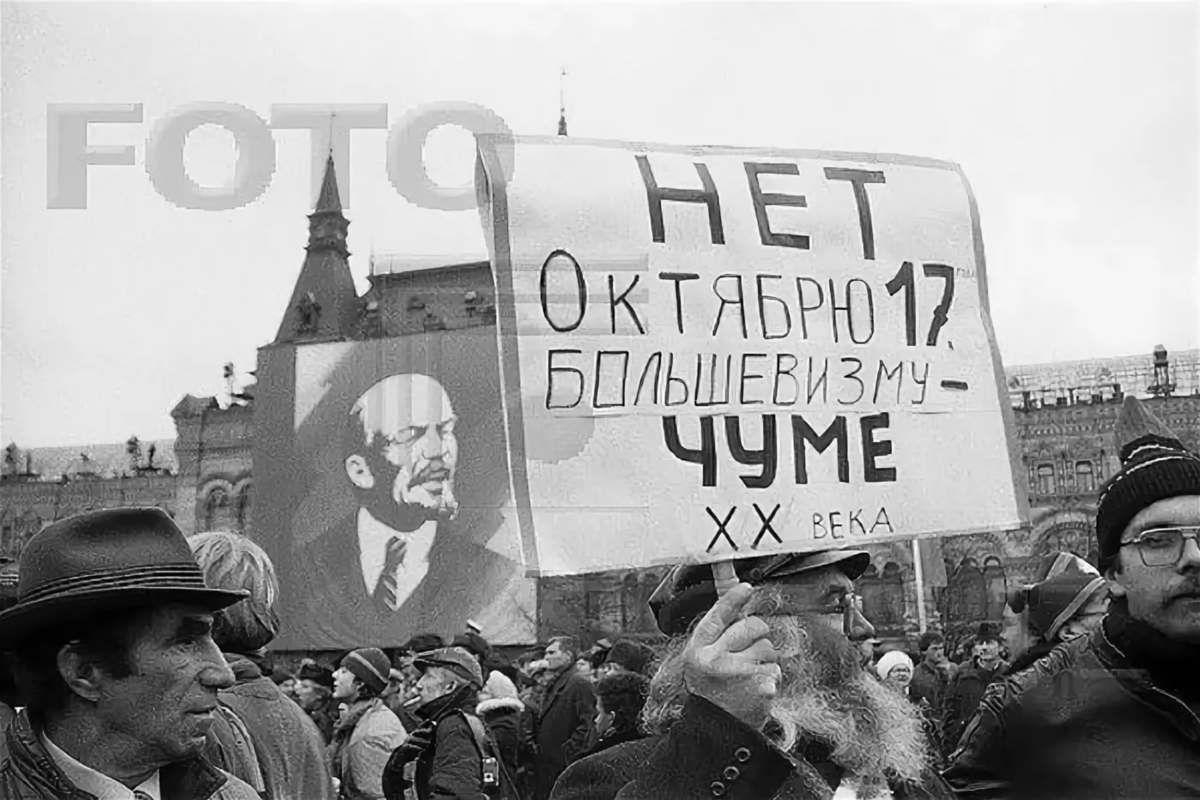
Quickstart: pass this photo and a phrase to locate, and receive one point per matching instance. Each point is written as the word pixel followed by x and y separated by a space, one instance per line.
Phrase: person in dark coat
pixel 620 697
pixel 1113 714
pixel 1068 601
pixel 932 675
pixel 289 747
pixel 510 724
pixel 970 681
pixel 314 695
pixel 567 711
pixel 441 759
pixel 759 695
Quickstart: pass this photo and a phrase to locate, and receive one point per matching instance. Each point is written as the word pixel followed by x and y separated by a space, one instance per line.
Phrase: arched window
pixel 7 533
pixel 883 598
pixel 967 594
pixel 1045 479
pixel 997 588
pixel 1085 478
pixel 245 498
pixel 218 515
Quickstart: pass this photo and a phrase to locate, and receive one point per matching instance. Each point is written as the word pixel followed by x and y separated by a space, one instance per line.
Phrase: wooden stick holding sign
pixel 724 576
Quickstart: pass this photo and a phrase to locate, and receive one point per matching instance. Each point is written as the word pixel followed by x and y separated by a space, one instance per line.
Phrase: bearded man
pixel 761 694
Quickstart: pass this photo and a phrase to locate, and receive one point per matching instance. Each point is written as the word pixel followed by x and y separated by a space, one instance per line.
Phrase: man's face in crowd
pixel 899 676
pixel 1167 598
pixel 288 687
pixel 166 703
pixel 309 693
pixel 557 657
pixel 406 474
pixel 987 653
pixel 935 655
pixel 343 684
pixel 584 668
pixel 434 683
pixel 1088 619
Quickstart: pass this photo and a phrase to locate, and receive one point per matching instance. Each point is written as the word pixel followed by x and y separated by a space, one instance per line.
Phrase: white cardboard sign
pixel 712 352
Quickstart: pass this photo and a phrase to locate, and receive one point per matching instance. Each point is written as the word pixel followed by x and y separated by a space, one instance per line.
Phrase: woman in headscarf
pixel 895 669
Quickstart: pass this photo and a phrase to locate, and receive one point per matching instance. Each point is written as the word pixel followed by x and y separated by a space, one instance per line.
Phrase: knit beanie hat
pixel 890 660
pixel 1154 466
pixel 1066 585
pixel 370 666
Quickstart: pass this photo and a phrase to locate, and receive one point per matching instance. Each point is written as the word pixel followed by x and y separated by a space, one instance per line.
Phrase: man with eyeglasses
pixel 1115 714
pixel 761 694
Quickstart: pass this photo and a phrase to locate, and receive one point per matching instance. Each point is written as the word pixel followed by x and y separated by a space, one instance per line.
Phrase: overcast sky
pixel 1075 123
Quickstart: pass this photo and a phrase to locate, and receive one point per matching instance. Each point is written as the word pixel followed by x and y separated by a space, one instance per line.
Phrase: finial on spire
pixel 329 199
pixel 562 103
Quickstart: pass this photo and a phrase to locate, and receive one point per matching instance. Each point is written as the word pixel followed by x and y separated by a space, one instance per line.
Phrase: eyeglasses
pixel 1162 547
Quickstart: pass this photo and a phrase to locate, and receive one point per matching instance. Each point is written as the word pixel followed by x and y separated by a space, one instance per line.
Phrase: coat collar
pixel 499 704
pixel 192 779
pixel 557 687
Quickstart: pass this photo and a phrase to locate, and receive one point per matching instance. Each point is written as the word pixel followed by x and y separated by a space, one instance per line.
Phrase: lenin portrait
pixel 400 525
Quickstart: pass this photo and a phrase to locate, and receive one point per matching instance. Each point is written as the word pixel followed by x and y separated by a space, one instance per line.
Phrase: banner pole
pixel 920 575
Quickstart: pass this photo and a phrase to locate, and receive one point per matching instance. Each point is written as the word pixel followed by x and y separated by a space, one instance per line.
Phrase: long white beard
pixel 874 732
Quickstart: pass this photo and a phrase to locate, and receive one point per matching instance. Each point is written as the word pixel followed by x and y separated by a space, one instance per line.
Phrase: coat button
pixel 742 754
pixel 718 789
pixel 731 774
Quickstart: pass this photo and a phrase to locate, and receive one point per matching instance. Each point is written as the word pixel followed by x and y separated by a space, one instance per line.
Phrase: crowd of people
pixel 141 670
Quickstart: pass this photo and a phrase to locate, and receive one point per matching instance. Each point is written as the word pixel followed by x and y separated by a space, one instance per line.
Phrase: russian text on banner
pixel 712 352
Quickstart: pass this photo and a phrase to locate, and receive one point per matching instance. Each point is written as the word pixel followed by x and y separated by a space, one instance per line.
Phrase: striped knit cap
pixel 1154 466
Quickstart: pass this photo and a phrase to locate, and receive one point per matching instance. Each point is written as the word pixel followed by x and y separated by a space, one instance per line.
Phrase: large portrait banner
pixel 400 520
pixel 711 352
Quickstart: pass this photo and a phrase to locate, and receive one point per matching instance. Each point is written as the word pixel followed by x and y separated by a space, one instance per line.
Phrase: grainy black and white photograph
pixel 599 400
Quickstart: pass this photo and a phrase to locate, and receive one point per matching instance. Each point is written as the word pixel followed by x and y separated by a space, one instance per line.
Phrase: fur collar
pixel 499 704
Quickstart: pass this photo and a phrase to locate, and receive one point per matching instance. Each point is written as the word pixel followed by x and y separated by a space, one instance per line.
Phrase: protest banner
pixel 709 353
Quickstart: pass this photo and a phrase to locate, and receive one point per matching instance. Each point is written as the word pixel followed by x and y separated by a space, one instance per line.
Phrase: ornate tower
pixel 324 302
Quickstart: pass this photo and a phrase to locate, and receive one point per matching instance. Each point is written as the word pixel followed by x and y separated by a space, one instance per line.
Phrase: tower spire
pixel 562 103
pixel 324 302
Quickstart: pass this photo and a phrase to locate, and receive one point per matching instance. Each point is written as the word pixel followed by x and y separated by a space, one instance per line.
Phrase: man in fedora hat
pixel 762 694
pixel 115 662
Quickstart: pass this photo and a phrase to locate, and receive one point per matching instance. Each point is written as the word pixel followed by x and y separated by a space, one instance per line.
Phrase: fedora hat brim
pixel 25 619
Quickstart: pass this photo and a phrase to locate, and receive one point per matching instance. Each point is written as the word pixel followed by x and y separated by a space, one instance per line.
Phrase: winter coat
pixel 289 747
pixel 611 738
pixel 962 698
pixel 707 753
pixel 1082 722
pixel 363 741
pixel 929 684
pixel 325 717
pixel 29 773
pixel 566 718
pixel 507 720
pixel 448 763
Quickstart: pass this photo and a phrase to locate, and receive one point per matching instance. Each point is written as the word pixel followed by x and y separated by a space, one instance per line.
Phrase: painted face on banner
pixel 404 471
